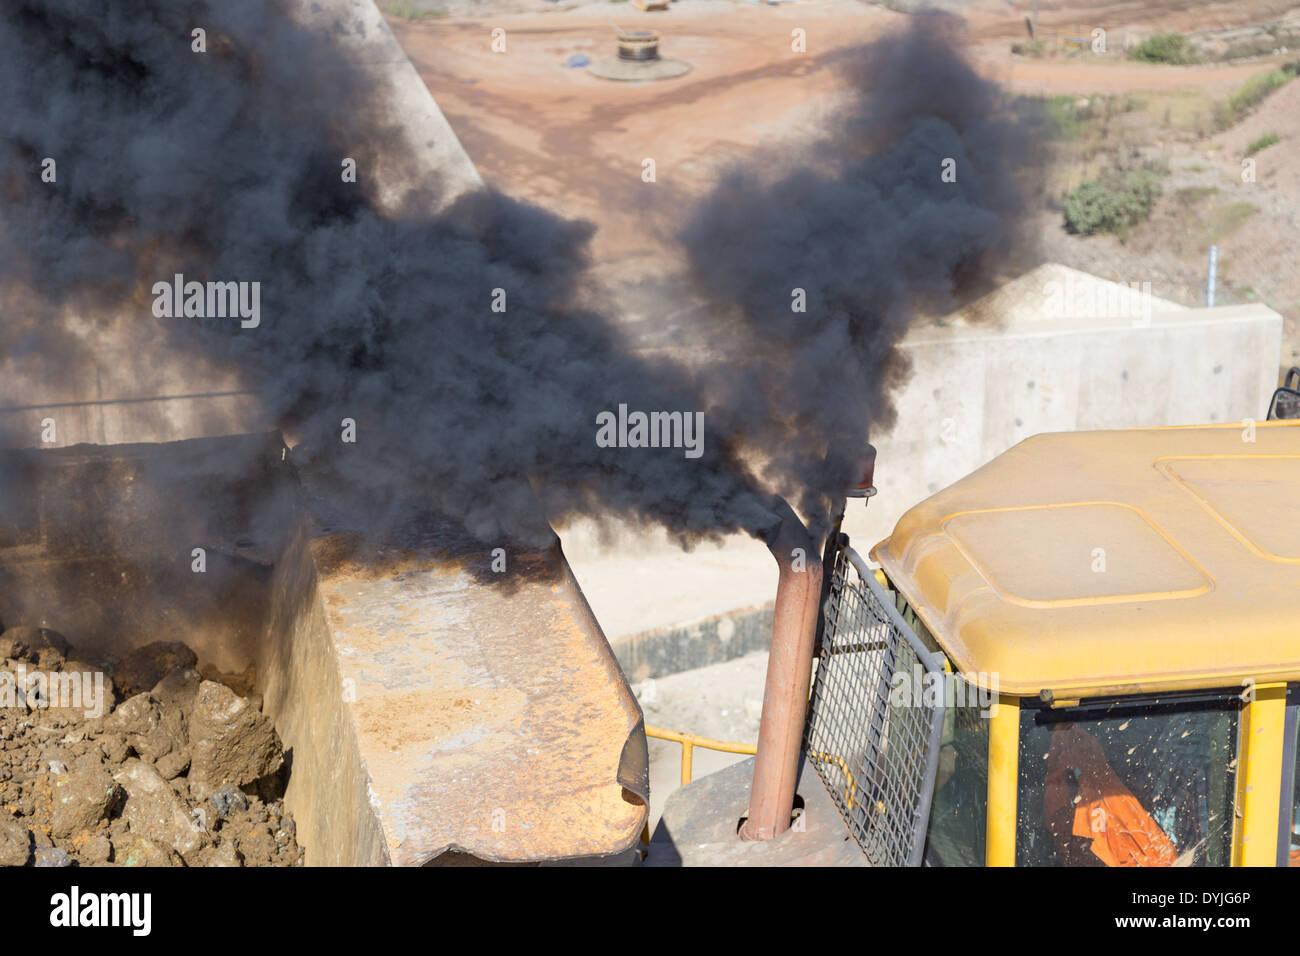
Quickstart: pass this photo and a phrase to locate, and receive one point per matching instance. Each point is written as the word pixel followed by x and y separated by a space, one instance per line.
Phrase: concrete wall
pixel 976 392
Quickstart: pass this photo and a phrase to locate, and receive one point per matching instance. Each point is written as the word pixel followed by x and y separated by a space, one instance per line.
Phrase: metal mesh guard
pixel 877 758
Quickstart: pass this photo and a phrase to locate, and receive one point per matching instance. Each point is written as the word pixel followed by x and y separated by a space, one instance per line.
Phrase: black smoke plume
pixel 226 166
pixel 872 234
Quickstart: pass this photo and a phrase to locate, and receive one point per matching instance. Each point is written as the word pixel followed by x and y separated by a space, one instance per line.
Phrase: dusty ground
pixel 555 135
pixel 722 701
pixel 1256 225
pixel 575 143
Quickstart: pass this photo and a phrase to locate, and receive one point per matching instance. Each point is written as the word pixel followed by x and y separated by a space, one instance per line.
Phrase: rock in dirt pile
pixel 138 761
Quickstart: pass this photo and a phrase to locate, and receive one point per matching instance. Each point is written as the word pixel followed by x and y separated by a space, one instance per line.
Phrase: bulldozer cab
pixel 1286 400
pixel 1083 654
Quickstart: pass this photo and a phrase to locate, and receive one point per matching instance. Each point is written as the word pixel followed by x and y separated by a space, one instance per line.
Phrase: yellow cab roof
pixel 1114 562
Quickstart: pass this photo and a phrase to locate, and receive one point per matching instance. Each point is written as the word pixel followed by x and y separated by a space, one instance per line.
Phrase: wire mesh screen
pixel 872 731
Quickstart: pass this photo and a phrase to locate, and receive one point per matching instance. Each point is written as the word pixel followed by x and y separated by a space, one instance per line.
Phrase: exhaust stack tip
pixel 865 488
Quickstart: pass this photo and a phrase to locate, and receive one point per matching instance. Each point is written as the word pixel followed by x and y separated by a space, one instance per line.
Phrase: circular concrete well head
pixel 637 71
pixel 638 60
pixel 638 45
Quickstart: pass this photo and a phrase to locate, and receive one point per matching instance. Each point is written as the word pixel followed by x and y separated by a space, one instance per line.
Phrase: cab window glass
pixel 1127 783
pixel 957 813
pixel 1291 799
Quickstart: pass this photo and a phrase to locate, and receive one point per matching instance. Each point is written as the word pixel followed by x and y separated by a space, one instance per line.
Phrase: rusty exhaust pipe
pixel 789 673
pixel 796 623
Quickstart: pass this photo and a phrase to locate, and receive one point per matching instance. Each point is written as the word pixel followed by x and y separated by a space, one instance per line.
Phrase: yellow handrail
pixel 690 741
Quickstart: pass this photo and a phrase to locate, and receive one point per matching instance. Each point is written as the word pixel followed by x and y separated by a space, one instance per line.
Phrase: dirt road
pixel 576 143
pixel 572 142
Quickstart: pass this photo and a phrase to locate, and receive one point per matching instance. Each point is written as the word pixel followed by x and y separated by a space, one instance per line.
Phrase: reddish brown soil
pixel 575 143
pixel 151 766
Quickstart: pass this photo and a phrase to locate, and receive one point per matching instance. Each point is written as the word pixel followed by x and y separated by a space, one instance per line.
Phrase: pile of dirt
pixel 138 761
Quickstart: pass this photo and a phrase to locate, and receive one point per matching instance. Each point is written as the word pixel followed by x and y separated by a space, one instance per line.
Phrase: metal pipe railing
pixel 690 741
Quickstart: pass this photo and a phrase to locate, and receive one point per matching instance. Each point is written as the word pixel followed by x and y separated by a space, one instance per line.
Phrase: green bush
pixel 1191 195
pixel 1264 142
pixel 407 10
pixel 1111 203
pixel 1251 94
pixel 1166 48
pixel 1034 48
pixel 1062 119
